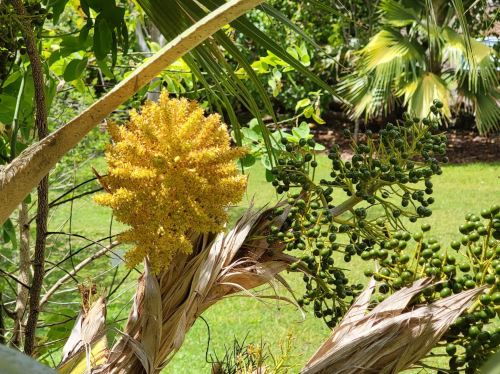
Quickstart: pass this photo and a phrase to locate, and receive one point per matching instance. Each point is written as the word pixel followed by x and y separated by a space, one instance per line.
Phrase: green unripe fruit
pixel 418 236
pixel 404 259
pixel 368 272
pixel 445 292
pixel 451 349
pixel 485 299
pixel 473 331
pixel 464 266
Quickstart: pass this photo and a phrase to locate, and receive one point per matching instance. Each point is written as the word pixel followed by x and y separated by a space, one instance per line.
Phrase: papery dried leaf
pixel 152 316
pixel 218 267
pixel 87 345
pixel 388 343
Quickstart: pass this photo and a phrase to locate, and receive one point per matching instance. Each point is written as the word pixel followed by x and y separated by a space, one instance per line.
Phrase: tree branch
pixel 43 187
pixel 24 275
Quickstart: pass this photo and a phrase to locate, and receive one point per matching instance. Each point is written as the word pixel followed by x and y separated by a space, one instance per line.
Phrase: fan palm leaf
pixel 371 88
pixel 396 14
pixel 420 92
pixel 481 70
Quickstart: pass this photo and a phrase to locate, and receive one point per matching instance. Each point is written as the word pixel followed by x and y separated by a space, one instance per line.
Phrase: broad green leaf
pixel 318 119
pixel 113 14
pixel 54 57
pixel 248 161
pixel 154 85
pixel 102 40
pixel 11 233
pixel 57 10
pixel 75 69
pixel 255 127
pixel 84 33
pixel 319 147
pixel 266 162
pixel 492 365
pixel 69 42
pixel 12 78
pixel 105 69
pixel 124 33
pixel 302 131
pixel 250 134
pixel 85 7
pixel 269 176
pixel 98 5
pixel 27 199
pixel 302 103
pixel 79 85
pixel 7 108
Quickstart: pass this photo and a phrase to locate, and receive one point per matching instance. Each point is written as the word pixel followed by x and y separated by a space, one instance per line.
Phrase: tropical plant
pixel 384 182
pixel 418 57
pixel 213 266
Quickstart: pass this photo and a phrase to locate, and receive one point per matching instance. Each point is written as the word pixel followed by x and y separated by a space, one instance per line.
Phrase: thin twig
pixel 75 197
pixel 76 269
pixel 15 279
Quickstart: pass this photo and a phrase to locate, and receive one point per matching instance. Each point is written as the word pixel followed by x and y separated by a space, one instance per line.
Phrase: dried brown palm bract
pixel 392 337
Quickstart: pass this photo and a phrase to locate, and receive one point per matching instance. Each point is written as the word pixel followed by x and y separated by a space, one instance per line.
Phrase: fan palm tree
pixel 416 58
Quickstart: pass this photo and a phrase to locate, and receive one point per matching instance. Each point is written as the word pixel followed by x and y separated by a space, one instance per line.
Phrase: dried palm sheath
pixel 387 340
pixel 390 338
pixel 166 306
pixel 87 345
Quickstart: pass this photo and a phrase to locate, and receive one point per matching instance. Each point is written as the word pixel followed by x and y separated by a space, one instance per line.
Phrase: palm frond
pixel 420 92
pixel 171 17
pixel 389 45
pixel 391 338
pixel 481 68
pixel 396 14
pixel 383 61
pixel 484 104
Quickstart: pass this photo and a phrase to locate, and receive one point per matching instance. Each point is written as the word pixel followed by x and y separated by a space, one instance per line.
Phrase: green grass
pixel 461 189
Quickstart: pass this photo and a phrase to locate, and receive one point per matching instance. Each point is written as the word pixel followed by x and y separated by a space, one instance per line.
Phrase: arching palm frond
pixel 209 64
pixel 398 15
pixel 370 88
pixel 484 103
pixel 481 70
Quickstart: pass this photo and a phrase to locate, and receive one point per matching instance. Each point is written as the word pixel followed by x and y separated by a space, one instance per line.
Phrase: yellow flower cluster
pixel 170 170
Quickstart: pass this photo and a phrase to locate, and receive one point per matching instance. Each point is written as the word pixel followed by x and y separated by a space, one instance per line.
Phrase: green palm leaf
pixel 420 92
pixel 396 14
pixel 484 103
pixel 382 61
pixel 482 68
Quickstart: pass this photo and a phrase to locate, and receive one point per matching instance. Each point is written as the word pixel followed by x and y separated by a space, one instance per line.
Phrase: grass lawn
pixel 461 189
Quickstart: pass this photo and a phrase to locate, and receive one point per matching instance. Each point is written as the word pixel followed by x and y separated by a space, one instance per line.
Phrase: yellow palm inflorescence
pixel 170 170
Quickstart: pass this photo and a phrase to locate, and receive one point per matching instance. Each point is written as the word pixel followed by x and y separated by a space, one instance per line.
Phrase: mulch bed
pixel 463 146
